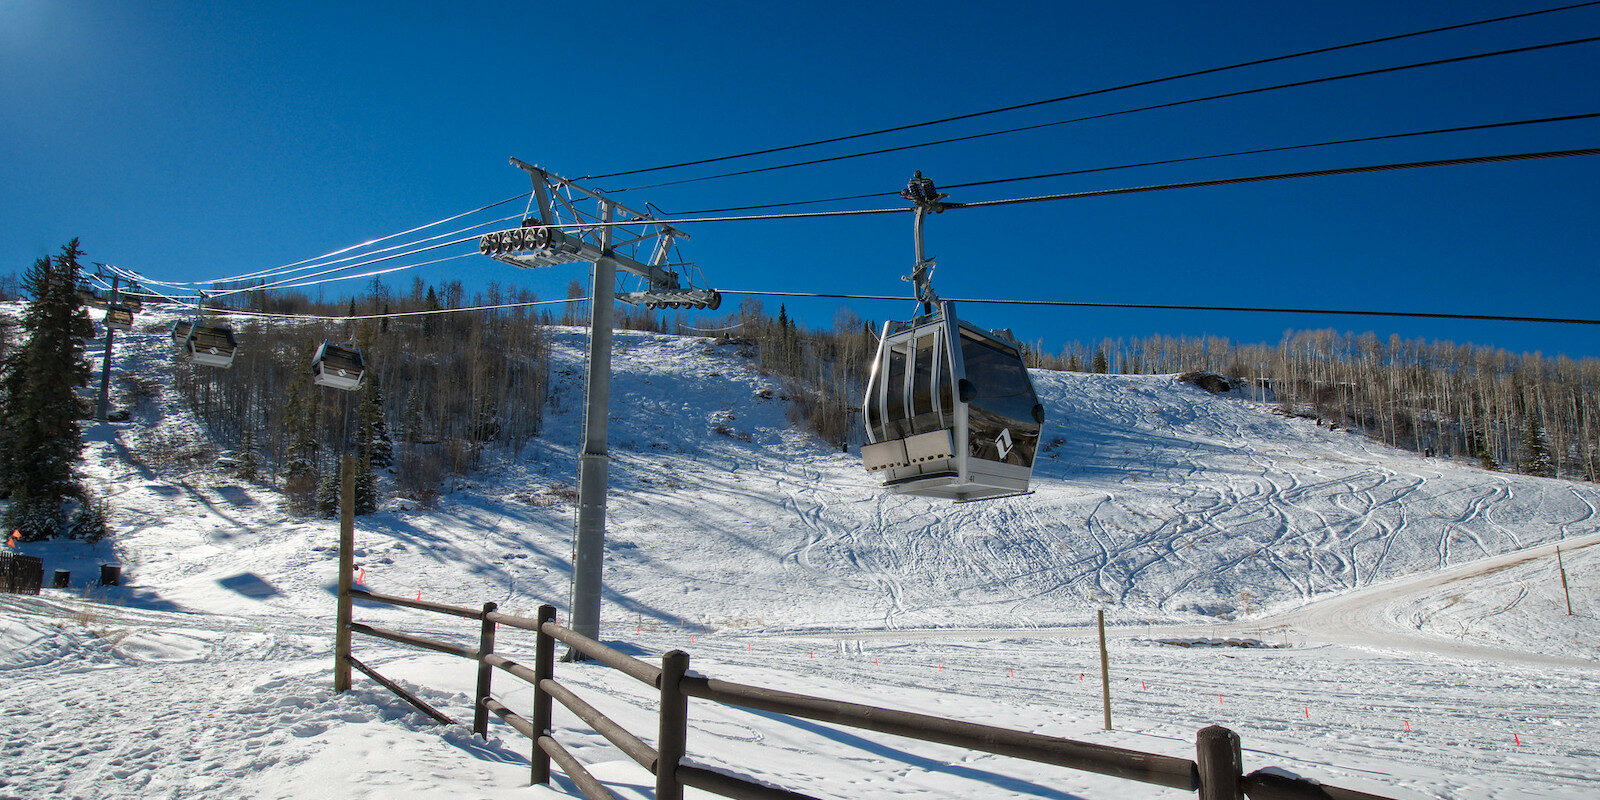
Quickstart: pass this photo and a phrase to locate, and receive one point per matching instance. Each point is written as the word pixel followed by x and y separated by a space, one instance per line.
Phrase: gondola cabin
pixel 119 318
pixel 211 345
pixel 337 367
pixel 950 411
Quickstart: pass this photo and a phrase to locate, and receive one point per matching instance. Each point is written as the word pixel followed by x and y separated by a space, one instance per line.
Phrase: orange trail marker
pixel 362 578
pixel 941 668
pixel 691 638
pixel 1142 686
pixel 747 647
pixel 1080 677
pixel 813 654
pixel 1517 738
pixel 874 662
pixel 1011 673
pixel 419 594
pixel 1408 726
pixel 1219 701
pixel 1308 712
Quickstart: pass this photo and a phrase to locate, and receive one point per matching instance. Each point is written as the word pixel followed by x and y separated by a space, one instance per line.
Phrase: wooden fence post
pixel 1105 669
pixel 1563 567
pixel 544 668
pixel 480 710
pixel 1221 764
pixel 347 546
pixel 674 725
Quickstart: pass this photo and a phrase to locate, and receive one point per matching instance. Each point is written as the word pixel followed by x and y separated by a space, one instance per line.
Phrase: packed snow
pixel 1360 615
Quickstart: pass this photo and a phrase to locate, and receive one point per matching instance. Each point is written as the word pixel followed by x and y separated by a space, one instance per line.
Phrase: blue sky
pixel 190 140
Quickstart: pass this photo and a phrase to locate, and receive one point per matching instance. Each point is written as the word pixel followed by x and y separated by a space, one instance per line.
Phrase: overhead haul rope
pixel 288 284
pixel 365 255
pixel 1447 162
pixel 1172 104
pixel 272 271
pixel 100 283
pixel 1168 307
pixel 368 262
pixel 977 204
pixel 1162 162
pixel 1317 173
pixel 1079 95
pixel 968 300
pixel 375 272
pixel 393 314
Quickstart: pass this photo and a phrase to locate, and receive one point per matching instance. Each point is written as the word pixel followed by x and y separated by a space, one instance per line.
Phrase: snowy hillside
pixel 1156 501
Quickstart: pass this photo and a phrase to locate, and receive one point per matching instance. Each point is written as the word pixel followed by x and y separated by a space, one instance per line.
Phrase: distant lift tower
pixel 576 224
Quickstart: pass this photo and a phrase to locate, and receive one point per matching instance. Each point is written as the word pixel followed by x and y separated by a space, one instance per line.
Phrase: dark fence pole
pixel 480 707
pixel 1221 764
pixel 1105 668
pixel 674 725
pixel 347 546
pixel 544 668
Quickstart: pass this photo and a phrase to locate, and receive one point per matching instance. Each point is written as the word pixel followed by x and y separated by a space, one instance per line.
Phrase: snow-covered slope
pixel 1155 500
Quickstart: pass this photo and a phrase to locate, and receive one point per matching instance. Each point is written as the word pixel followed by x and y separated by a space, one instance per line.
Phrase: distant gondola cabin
pixel 211 345
pixel 337 367
pixel 119 318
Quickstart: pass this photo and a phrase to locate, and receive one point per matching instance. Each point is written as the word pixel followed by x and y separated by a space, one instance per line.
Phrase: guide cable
pixel 1107 90
pixel 1073 120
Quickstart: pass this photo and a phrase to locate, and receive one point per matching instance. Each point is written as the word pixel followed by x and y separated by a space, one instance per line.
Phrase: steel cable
pixel 1162 162
pixel 1108 114
pixel 1107 90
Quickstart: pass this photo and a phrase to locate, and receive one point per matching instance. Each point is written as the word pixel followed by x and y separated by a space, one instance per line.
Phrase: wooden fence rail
pixel 1216 773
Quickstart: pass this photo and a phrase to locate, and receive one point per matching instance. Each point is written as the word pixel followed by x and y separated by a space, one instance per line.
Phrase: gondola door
pixel 912 418
pixel 1002 416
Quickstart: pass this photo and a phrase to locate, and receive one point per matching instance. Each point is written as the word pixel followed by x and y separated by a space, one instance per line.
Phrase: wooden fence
pixel 1216 773
pixel 20 574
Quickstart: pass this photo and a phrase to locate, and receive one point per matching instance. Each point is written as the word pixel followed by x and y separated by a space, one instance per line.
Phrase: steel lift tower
pixel 575 224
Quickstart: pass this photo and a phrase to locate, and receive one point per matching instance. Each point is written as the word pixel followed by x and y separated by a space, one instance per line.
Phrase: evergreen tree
pixel 91 522
pixel 40 441
pixel 300 460
pixel 366 488
pixel 304 444
pixel 248 463
pixel 411 416
pixel 1535 450
pixel 372 432
pixel 1101 366
pixel 1481 447
pixel 328 491
pixel 430 322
